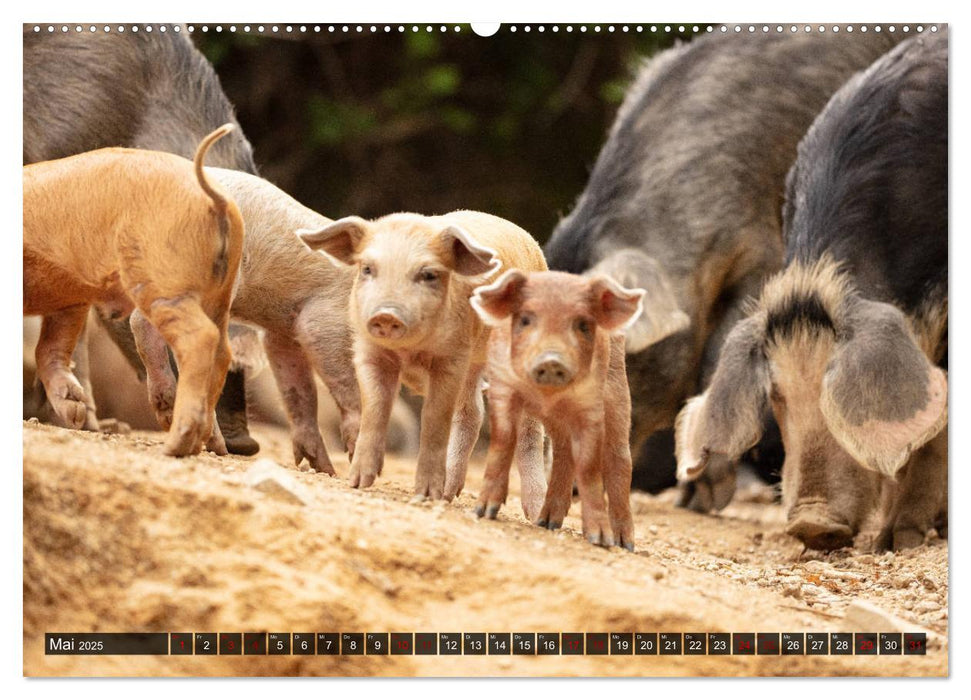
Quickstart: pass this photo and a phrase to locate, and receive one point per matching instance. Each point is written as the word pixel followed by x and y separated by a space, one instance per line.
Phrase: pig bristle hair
pixel 805 298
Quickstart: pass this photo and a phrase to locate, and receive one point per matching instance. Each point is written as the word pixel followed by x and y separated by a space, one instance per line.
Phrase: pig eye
pixel 582 326
pixel 366 271
pixel 524 321
pixel 428 276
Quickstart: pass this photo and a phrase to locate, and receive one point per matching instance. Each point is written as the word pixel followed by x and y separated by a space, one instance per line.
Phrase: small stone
pixel 652 529
pixel 926 606
pixel 269 477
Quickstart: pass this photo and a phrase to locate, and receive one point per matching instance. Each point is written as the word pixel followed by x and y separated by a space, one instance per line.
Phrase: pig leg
pixel 196 342
pixel 58 336
pixel 231 414
pixel 295 379
pixel 504 415
pixel 590 480
pixel 379 378
pixel 336 369
pixel 559 494
pixel 466 424
pixel 446 377
pixel 530 460
pixel 217 381
pixel 918 498
pixel 617 471
pixel 154 354
pixel 82 370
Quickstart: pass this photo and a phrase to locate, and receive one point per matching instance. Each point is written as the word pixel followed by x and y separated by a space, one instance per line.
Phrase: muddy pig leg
pixel 295 379
pixel 379 378
pixel 217 381
pixel 617 470
pixel 446 379
pixel 82 370
pixel 531 461
pixel 504 415
pixel 194 339
pixel 154 354
pixel 58 336
pixel 329 350
pixel 919 497
pixel 559 493
pixel 590 481
pixel 466 424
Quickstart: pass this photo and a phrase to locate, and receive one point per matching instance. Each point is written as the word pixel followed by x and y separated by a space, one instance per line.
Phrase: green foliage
pixel 431 121
pixel 333 123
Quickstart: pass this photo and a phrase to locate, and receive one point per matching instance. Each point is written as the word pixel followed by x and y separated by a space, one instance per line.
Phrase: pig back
pixel 870 186
pixel 90 90
pixel 514 247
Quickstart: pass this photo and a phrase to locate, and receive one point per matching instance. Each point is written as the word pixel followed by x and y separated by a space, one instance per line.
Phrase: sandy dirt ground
pixel 119 538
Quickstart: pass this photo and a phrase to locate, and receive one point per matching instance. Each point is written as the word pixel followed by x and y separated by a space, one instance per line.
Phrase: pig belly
pixel 49 288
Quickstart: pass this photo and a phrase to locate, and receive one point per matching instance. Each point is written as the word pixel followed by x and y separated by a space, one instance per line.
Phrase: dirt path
pixel 118 537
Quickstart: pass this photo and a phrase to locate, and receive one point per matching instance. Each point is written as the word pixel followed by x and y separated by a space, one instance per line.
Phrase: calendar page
pixel 478 350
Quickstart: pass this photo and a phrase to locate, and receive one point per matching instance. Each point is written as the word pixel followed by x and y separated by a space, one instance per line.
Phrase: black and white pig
pixel 684 201
pixel 848 344
pixel 90 90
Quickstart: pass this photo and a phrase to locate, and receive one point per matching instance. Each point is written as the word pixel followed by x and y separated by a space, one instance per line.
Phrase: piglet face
pixel 405 266
pixel 555 321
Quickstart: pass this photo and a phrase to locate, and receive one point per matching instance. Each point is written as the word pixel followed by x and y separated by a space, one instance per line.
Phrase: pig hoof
pixel 493 510
pixel 817 531
pixel 183 442
pixel 69 404
pixel 163 411
pixel 625 538
pixel 232 423
pixel 217 445
pixel 112 426
pixel 600 539
pixel 91 422
pixel 241 444
pixel 480 510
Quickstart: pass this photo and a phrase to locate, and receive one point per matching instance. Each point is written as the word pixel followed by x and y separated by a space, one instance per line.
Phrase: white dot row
pixel 374 29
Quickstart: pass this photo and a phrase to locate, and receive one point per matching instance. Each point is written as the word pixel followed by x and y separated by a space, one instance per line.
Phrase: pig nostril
pixel 386 326
pixel 551 373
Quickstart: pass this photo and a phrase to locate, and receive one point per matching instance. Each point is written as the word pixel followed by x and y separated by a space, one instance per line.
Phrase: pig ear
pixel 691 454
pixel 340 239
pixel 615 307
pixel 496 302
pixel 881 397
pixel 728 418
pixel 662 315
pixel 468 257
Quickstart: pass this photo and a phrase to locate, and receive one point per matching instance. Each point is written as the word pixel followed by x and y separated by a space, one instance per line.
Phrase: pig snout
pixel 549 369
pixel 387 322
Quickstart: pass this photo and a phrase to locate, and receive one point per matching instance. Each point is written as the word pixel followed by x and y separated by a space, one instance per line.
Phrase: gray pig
pixel 684 202
pixel 848 345
pixel 299 298
pixel 84 91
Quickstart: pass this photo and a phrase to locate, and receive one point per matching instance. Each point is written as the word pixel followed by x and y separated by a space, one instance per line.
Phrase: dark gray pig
pixel 848 345
pixel 90 90
pixel 684 201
